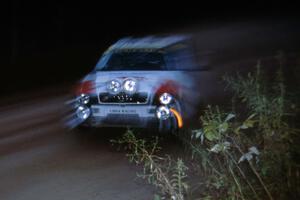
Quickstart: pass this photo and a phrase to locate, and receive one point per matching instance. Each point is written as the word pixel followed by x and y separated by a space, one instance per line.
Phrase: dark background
pixel 48 43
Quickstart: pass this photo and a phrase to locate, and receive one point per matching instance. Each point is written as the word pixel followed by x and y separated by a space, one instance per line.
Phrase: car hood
pixel 147 80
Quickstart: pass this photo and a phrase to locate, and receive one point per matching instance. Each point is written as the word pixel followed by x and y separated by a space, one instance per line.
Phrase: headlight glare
pixel 163 112
pixel 165 98
pixel 114 86
pixel 84 98
pixel 130 86
pixel 83 112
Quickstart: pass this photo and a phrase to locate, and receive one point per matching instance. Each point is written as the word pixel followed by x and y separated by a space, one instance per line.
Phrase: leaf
pixel 211 133
pixel 198 133
pixel 216 148
pixel 251 116
pixel 223 127
pixel 254 150
pixel 226 145
pixel 244 126
pixel 202 138
pixel 247 156
pixel 248 123
pixel 237 130
pixel 229 117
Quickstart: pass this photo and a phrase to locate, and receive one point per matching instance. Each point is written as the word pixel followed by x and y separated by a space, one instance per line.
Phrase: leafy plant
pixel 157 170
pixel 248 153
pixel 224 172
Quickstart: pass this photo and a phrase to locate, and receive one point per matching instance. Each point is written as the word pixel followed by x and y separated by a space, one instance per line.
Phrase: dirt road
pixel 39 159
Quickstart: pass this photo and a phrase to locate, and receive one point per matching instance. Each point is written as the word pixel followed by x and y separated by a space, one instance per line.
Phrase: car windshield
pixel 134 61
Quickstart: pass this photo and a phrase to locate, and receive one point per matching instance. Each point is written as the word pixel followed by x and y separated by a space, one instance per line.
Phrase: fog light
pixel 163 113
pixel 83 112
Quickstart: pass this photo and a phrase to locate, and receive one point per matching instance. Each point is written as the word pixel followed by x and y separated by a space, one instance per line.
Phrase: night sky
pixel 57 42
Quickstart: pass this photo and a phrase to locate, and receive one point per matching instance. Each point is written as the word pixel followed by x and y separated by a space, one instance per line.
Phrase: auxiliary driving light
pixel 84 98
pixel 114 86
pixel 130 86
pixel 83 112
pixel 165 98
pixel 163 112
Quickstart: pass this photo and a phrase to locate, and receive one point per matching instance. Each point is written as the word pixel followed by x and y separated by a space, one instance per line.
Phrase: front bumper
pixel 122 116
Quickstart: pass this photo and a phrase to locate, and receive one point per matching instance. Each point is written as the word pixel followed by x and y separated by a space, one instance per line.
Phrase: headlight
pixel 114 86
pixel 163 112
pixel 83 112
pixel 130 86
pixel 165 98
pixel 84 98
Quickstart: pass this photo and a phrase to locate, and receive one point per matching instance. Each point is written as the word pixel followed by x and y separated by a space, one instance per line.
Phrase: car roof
pixel 149 42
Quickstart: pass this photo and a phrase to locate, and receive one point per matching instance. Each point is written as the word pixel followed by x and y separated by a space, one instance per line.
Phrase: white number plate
pixel 121 111
pixel 103 111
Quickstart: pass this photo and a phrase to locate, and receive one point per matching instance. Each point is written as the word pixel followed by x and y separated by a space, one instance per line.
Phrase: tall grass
pixel 249 152
pixel 166 174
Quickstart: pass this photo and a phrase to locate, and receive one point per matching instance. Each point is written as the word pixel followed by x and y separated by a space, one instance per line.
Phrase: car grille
pixel 138 98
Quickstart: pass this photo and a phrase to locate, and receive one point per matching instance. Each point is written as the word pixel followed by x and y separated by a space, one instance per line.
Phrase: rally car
pixel 144 82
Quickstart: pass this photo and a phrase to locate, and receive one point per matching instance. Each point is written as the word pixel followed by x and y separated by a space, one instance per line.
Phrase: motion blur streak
pixel 39 159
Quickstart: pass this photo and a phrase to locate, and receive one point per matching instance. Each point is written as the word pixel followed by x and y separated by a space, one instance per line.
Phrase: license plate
pixel 121 111
pixel 103 111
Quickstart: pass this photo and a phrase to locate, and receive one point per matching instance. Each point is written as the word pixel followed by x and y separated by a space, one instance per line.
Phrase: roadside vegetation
pixel 250 151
